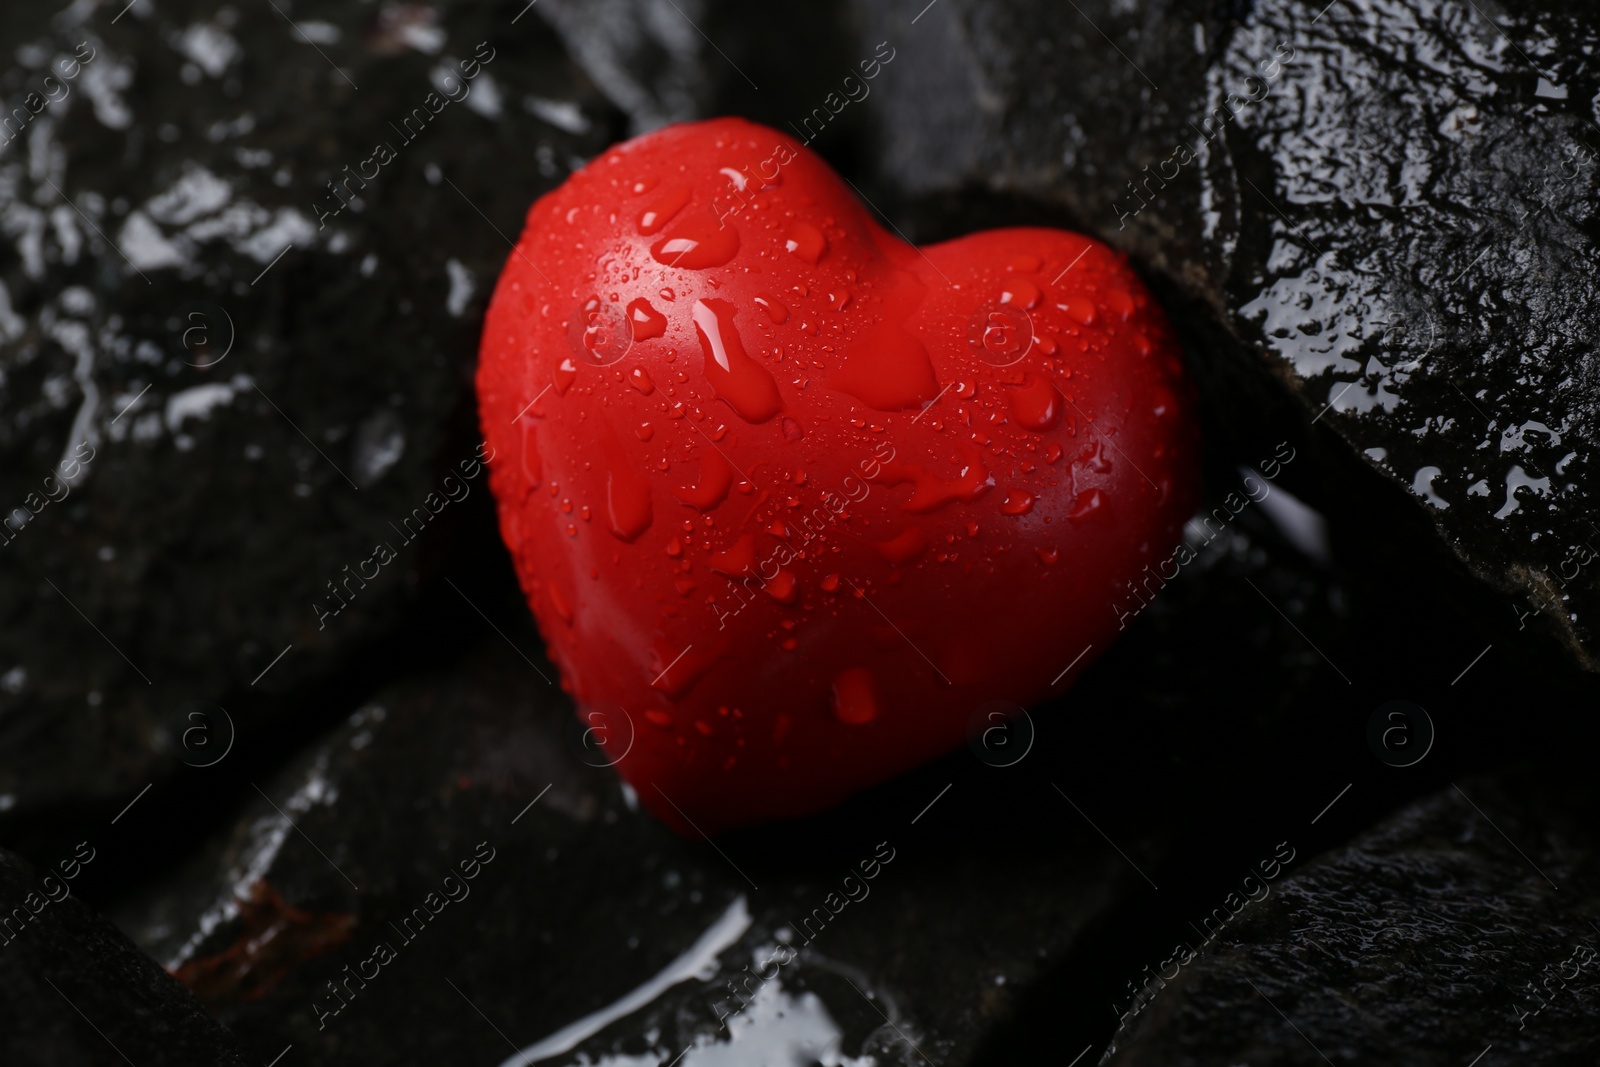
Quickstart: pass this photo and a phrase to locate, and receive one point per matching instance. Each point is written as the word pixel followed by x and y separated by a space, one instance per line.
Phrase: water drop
pixel 661 209
pixel 806 241
pixel 737 378
pixel 782 587
pixel 1120 301
pixel 1035 404
pixel 855 698
pixel 1017 502
pixel 775 308
pixel 1091 503
pixel 627 503
pixel 716 478
pixel 645 320
pixel 697 243
pixel 532 466
pixel 901 550
pixel 1021 292
pixel 566 373
pixel 1079 310
pixel 737 560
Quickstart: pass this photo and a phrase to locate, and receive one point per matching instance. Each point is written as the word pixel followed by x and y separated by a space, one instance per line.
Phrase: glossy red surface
pixel 790 498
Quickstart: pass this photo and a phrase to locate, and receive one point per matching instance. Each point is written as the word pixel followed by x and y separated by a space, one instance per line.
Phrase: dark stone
pixel 1399 231
pixel 75 992
pixel 1466 920
pixel 298 410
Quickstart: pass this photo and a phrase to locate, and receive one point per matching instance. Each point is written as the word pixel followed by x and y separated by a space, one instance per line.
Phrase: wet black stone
pixel 75 992
pixel 1399 230
pixel 1464 921
pixel 190 553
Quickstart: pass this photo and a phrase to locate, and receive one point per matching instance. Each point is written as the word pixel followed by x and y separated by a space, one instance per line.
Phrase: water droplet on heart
pixel 1036 404
pixel 674 672
pixel 662 208
pixel 644 431
pixel 806 241
pixel 782 587
pixel 830 583
pixel 1120 303
pixel 559 602
pixel 645 320
pixel 1017 502
pixel 697 243
pixel 656 717
pixel 887 369
pixel 855 697
pixel 716 478
pixel 964 390
pixel 775 308
pixel 737 378
pixel 640 380
pixel 532 464
pixel 904 548
pixel 1099 462
pixel 627 503
pixel 1047 556
pixel 1164 403
pixel 566 372
pixel 1091 503
pixel 1019 291
pixel 736 560
pixel 792 431
pixel 1080 310
pixel 668 295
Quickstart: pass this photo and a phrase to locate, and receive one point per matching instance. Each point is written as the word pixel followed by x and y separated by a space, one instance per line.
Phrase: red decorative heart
pixel 793 499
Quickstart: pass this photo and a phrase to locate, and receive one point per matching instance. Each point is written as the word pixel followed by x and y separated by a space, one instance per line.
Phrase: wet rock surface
pixel 200 435
pixel 1386 209
pixel 75 991
pixel 278 820
pixel 1464 922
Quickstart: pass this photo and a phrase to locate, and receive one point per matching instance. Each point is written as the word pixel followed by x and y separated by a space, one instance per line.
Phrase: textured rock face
pixel 1464 922
pixel 1386 208
pixel 75 991
pixel 221 388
